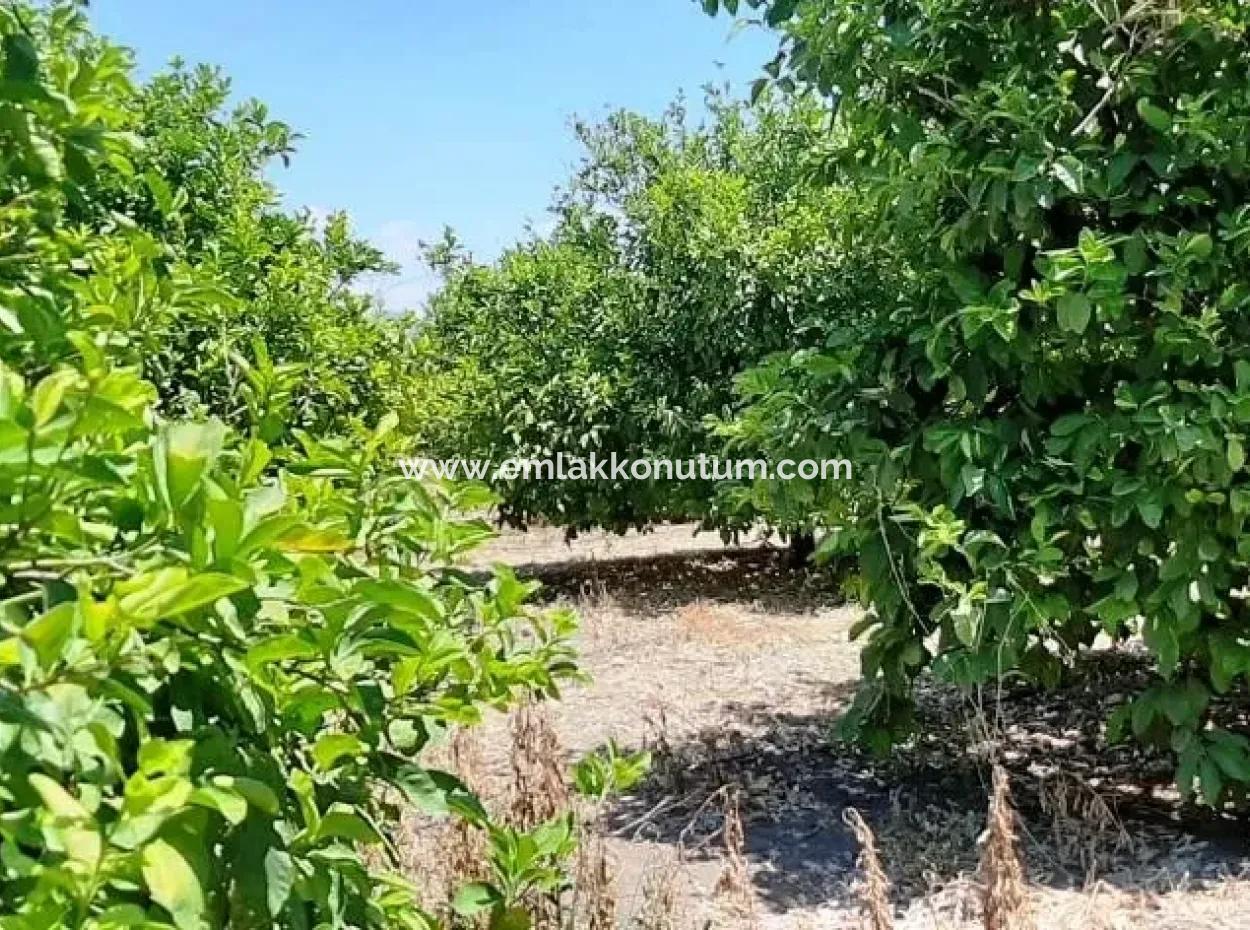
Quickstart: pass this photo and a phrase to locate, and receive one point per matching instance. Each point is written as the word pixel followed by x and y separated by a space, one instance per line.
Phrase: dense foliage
pixel 195 180
pixel 1051 417
pixel 679 256
pixel 220 652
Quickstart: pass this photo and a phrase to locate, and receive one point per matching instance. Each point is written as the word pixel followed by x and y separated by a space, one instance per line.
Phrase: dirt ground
pixel 730 668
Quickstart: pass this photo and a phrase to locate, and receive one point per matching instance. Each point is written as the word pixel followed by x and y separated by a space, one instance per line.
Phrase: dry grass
pixel 874 886
pixel 595 889
pixel 1085 826
pixel 659 910
pixel 465 849
pixel 1005 895
pixel 730 670
pixel 735 892
pixel 539 791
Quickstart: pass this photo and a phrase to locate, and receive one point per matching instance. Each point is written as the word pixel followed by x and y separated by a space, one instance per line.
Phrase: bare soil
pixel 731 668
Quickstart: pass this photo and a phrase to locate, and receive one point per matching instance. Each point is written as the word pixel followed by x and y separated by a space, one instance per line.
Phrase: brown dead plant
pixel 464 849
pixel 659 897
pixel 538 794
pixel 539 791
pixel 873 888
pixel 1085 826
pixel 734 889
pixel 1004 892
pixel 596 886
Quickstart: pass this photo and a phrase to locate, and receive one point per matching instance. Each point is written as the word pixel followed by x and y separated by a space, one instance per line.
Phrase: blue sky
pixel 424 113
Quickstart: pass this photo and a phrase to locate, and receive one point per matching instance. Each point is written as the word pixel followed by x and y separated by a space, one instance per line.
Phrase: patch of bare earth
pixel 731 668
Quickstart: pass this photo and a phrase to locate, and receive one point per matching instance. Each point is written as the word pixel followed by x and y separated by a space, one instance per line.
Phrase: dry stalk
pixel 734 888
pixel 596 886
pixel 1005 895
pixel 666 766
pixel 874 886
pixel 873 889
pixel 465 758
pixel 539 791
pixel 463 849
pixel 659 899
pixel 1084 825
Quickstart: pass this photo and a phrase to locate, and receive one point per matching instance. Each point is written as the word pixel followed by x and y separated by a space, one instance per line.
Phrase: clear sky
pixel 424 113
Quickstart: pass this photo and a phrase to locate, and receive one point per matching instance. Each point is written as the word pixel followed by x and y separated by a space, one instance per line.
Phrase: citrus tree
pixel 680 254
pixel 1053 412
pixel 221 658
pixel 197 180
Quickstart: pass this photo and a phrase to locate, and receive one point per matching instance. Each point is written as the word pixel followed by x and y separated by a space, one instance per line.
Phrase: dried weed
pixel 1005 894
pixel 873 889
pixel 539 791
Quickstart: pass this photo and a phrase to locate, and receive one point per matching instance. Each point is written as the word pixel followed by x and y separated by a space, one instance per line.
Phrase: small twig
pixel 716 795
pixel 665 803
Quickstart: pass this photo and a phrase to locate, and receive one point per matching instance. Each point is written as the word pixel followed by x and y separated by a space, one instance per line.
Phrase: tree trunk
pixel 802 547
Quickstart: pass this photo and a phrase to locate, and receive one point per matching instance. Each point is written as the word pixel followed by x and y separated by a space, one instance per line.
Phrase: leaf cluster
pixel 1049 418
pixel 223 647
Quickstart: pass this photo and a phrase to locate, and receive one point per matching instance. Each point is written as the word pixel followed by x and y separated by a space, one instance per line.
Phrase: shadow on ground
pixel 652 583
pixel 1089 811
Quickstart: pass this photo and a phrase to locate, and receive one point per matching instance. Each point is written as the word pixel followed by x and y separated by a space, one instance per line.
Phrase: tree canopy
pixel 225 643
pixel 1050 416
pixel 681 254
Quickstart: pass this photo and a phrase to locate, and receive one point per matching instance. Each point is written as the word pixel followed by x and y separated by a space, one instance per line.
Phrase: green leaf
pixel 1118 724
pixel 229 803
pixel 167 594
pixel 127 917
pixel 47 157
pixel 965 621
pixel 166 757
pixel 162 196
pixel 401 596
pixel 59 802
pixel 49 634
pixel 1070 172
pixel 346 825
pixel 474 898
pixel 257 793
pixel 332 747
pixel 21 59
pixel 1167 648
pixel 780 11
pixel 1155 117
pixel 1236 453
pixel 279 880
pixel 48 395
pixel 266 533
pixel 303 538
pixel 1120 168
pixel 1074 312
pixel 439 793
pixel 1069 424
pixel 1211 781
pixel 1232 757
pixel 188 452
pixel 1199 246
pixel 173 884
pixel 280 649
pixel 1151 512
